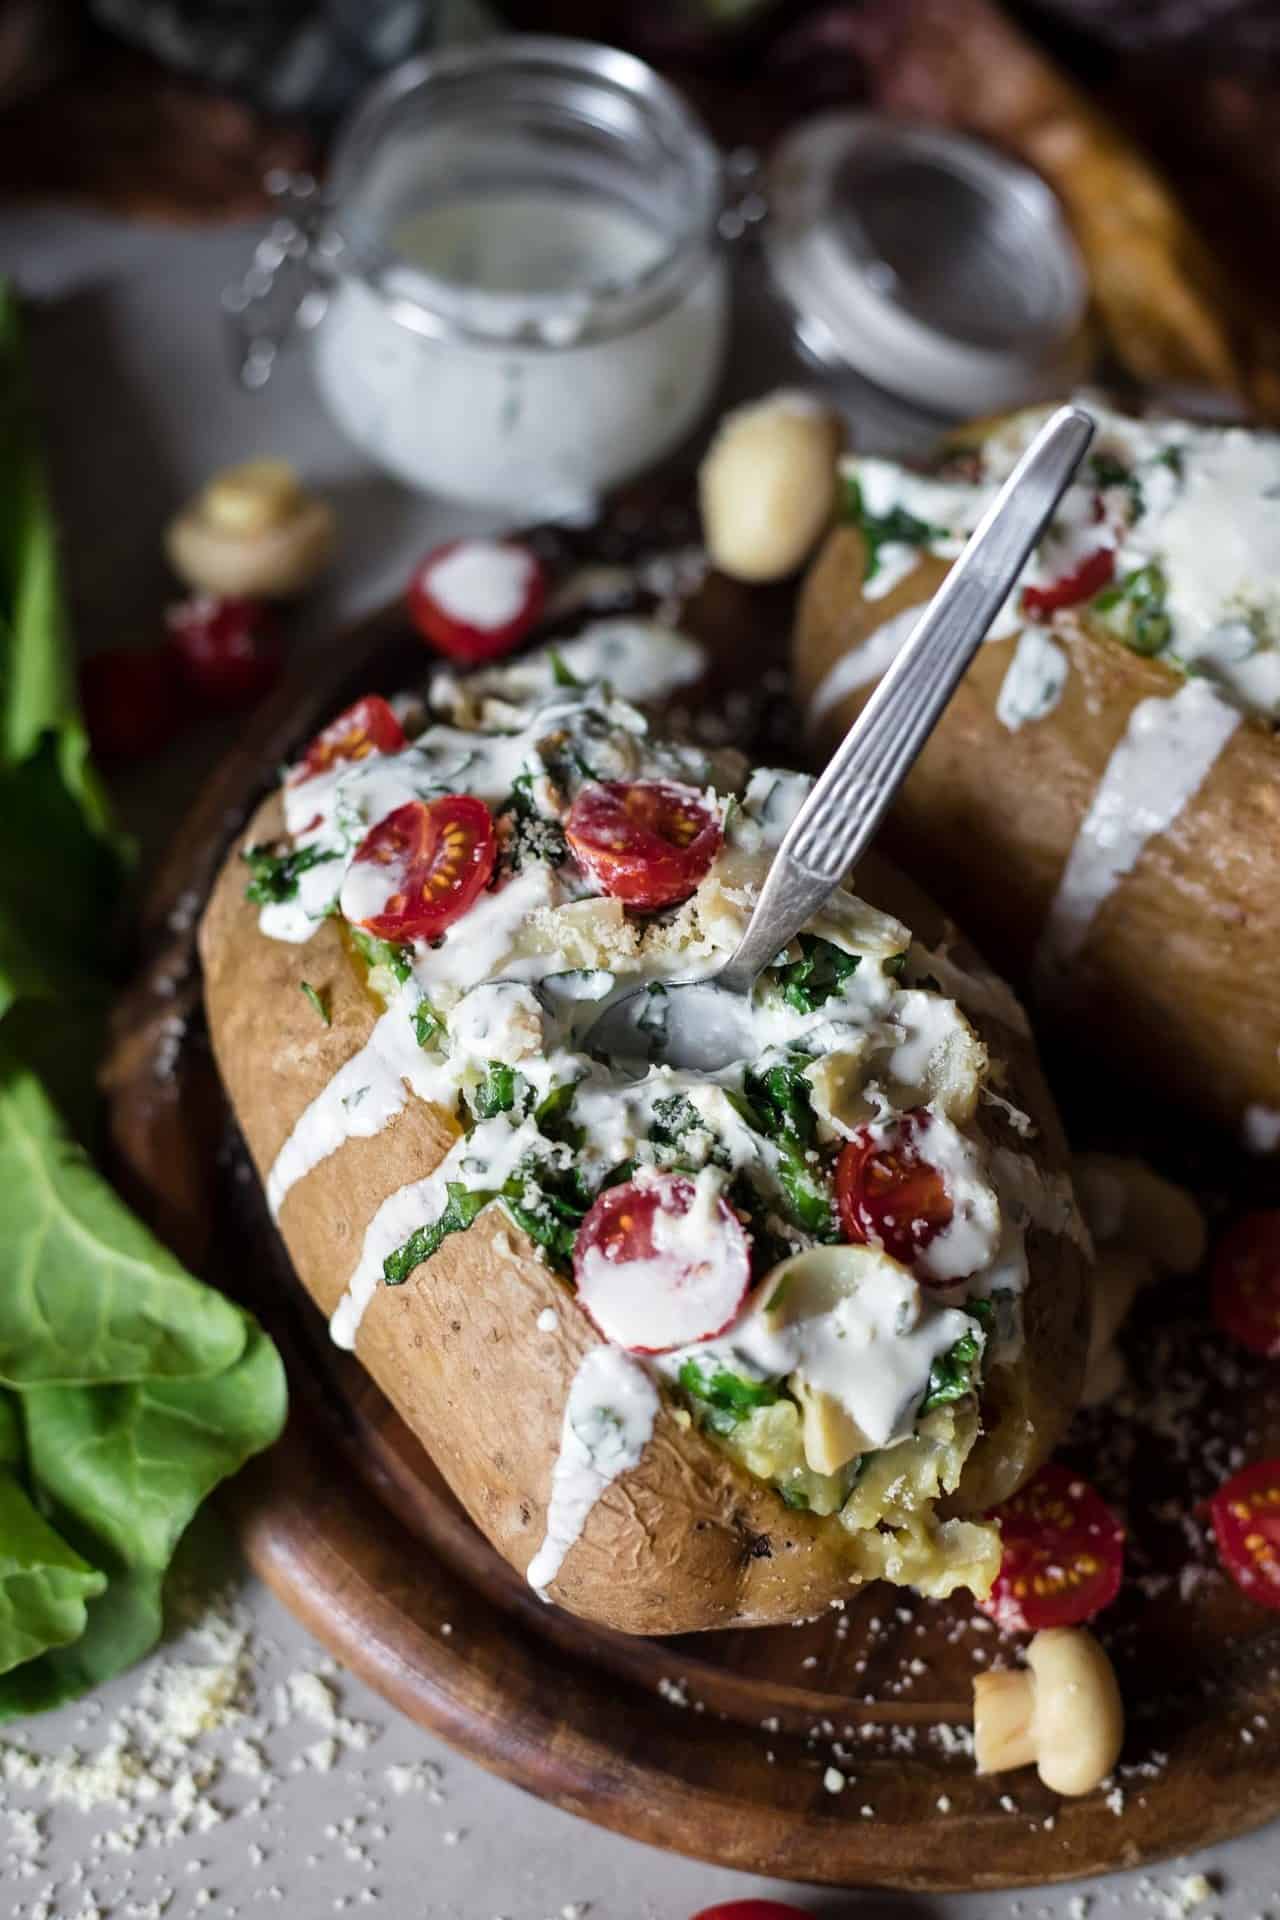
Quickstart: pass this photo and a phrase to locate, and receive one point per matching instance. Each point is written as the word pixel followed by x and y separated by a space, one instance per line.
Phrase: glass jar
pixel 524 300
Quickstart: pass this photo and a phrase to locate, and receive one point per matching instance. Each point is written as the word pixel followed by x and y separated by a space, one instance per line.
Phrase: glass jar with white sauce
pixel 518 297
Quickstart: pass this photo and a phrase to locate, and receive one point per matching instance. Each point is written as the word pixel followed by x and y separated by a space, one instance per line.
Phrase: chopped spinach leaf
pixel 1134 610
pixel 895 528
pixel 535 837
pixel 499 1091
pixel 958 1372
pixel 672 1118
pixel 317 1000
pixel 550 1205
pixel 726 1397
pixel 382 953
pixel 1108 471
pixel 551 1115
pixel 896 966
pixel 275 876
pixel 429 1029
pixel 794 1498
pixel 781 1101
pixel 561 675
pixel 464 1203
pixel 809 982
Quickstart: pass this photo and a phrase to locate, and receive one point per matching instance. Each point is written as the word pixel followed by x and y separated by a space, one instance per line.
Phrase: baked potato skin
pixel 687 1540
pixel 1177 978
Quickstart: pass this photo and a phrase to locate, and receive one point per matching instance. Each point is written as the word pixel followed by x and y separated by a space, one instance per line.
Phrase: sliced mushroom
pixel 1062 1713
pixel 253 533
pixel 768 485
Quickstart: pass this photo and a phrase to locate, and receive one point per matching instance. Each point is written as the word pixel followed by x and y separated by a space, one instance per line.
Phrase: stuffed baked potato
pixel 692 1352
pixel 1100 801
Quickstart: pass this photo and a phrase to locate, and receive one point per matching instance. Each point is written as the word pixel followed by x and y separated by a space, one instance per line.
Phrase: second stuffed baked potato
pixel 1100 802
pixel 692 1352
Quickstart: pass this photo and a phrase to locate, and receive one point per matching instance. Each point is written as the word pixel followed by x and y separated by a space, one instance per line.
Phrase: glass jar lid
pixel 939 268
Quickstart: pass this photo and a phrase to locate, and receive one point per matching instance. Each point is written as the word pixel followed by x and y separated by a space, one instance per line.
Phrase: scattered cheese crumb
pixel 833 1780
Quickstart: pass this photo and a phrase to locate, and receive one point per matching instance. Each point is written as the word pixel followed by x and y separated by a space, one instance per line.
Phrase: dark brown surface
pixel 349 1522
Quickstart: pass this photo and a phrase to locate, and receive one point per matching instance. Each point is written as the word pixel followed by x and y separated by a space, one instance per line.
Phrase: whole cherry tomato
pixel 419 870
pixel 477 599
pixel 888 1193
pixel 367 727
pixel 1245 1291
pixel 1246 1520
pixel 228 649
pixel 648 842
pixel 1095 571
pixel 1063 1554
pixel 645 1280
pixel 133 701
pixel 752 1910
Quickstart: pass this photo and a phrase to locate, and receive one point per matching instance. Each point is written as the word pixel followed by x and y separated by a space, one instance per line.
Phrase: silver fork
pixel 705 1024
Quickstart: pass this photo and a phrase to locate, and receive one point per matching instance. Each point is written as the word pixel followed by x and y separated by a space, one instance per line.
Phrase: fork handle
pixel 839 818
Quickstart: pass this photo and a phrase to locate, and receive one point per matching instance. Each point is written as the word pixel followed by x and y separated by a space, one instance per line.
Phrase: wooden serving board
pixel 719 1745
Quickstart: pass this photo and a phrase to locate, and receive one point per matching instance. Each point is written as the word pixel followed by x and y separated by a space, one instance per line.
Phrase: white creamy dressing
pixel 482 583
pixel 1169 747
pixel 639 659
pixel 1034 680
pixel 1261 1129
pixel 608 1423
pixel 863 664
pixel 363 1097
pixel 517 981
pixel 483 1159
pixel 531 413
pixel 871 1348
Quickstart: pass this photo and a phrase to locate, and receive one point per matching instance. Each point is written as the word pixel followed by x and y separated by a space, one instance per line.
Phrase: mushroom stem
pixel 1003 1715
pixel 1064 1713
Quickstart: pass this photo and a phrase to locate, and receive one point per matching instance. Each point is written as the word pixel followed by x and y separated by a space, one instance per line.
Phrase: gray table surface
pixel 240 1777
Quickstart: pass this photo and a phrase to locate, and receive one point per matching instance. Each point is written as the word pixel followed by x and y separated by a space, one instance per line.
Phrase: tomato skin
pixel 1246 1521
pixel 430 861
pixel 1063 1554
pixel 458 638
pixel 1095 571
pixel 752 1910
pixel 133 701
pixel 1245 1289
pixel 645 842
pixel 369 726
pixel 227 649
pixel 888 1194
pixel 683 1300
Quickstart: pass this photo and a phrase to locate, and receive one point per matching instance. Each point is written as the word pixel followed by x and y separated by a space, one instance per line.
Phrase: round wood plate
pixel 720 1746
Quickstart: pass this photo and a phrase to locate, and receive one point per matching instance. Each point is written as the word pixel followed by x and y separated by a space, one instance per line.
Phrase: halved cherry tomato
pixel 649 1282
pixel 1063 1554
pixel 648 842
pixel 367 727
pixel 1246 1519
pixel 477 599
pixel 1246 1283
pixel 1094 572
pixel 227 649
pixel 133 701
pixel 888 1193
pixel 751 1910
pixel 418 871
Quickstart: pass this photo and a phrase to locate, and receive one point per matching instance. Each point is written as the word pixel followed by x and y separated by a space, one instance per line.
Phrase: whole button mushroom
pixel 253 533
pixel 767 485
pixel 1062 1713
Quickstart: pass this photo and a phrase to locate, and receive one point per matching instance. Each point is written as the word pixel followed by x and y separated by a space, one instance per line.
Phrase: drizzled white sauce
pixel 1034 680
pixel 608 1423
pixel 1168 749
pixel 1261 1129
pixel 363 1097
pixel 481 1160
pixel 482 583
pixel 862 664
